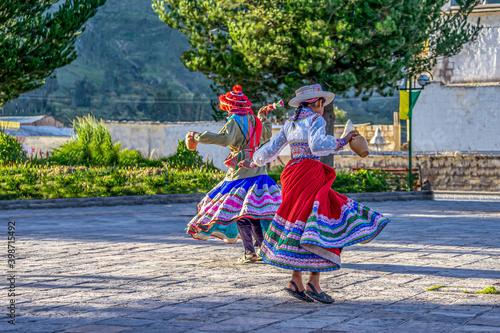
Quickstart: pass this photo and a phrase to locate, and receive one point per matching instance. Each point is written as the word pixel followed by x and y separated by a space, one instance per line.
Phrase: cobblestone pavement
pixel 133 269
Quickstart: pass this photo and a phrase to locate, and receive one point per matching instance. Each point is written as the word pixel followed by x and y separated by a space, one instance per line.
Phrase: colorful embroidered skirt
pixel 255 197
pixel 314 222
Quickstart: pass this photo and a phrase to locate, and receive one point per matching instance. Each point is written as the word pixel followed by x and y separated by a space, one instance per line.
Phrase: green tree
pixel 273 47
pixel 340 115
pixel 37 37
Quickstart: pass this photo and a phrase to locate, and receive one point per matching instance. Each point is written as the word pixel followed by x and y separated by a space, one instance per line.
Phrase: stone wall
pixel 445 171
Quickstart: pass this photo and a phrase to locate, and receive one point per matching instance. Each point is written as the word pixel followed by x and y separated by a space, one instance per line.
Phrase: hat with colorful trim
pixel 311 94
pixel 234 100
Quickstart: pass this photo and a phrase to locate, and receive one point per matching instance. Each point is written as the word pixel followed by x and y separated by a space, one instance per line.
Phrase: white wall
pixel 478 61
pixel 42 143
pixel 457 118
pixel 161 139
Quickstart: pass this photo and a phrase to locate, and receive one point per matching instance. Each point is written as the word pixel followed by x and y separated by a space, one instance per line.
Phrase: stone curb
pixel 391 196
pixel 102 201
pixel 181 198
pixel 467 196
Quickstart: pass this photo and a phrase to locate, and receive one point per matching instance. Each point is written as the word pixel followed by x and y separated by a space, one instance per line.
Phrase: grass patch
pixel 488 290
pixel 436 288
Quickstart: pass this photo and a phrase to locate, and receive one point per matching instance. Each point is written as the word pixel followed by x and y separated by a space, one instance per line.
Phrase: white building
pixel 460 109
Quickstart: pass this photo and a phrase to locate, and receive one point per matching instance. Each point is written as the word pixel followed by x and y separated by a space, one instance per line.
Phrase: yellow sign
pixel 9 125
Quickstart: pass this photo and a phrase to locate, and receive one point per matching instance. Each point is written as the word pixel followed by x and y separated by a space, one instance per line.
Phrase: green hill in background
pixel 128 68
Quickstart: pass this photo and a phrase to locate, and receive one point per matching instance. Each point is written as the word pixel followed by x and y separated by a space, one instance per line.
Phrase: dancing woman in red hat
pixel 245 198
pixel 314 222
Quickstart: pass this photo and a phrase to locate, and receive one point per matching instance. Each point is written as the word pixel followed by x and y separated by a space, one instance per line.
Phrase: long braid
pixel 298 111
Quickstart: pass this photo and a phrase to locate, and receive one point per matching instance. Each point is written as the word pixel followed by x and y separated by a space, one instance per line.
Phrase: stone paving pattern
pixel 133 269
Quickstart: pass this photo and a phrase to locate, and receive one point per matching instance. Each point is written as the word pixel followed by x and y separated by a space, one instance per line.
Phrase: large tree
pixel 37 37
pixel 273 47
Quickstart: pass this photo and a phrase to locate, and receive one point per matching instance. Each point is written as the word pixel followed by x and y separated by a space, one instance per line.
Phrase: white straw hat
pixel 307 93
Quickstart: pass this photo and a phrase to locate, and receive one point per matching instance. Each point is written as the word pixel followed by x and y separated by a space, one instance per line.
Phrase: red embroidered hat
pixel 234 100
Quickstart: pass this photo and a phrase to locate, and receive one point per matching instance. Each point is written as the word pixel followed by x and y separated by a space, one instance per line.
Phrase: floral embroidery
pixel 300 150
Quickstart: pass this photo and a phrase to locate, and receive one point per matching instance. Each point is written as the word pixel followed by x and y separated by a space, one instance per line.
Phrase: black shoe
pixel 298 294
pixel 323 297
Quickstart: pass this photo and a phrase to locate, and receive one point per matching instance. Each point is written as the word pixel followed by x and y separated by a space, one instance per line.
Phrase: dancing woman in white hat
pixel 314 222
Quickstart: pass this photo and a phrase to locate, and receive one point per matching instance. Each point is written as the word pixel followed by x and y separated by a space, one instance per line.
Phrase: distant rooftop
pixel 43 120
pixel 47 131
pixel 22 120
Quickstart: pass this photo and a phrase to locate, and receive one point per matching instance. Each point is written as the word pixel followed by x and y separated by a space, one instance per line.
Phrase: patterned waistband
pixel 300 159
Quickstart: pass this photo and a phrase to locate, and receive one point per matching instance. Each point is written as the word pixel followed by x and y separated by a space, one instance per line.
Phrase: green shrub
pixel 362 181
pixel 91 145
pixel 128 157
pixel 10 149
pixel 185 159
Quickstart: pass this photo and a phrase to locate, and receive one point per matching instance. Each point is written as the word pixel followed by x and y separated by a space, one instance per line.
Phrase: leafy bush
pixel 128 157
pixel 10 149
pixel 186 159
pixel 91 145
pixel 362 181
pixel 340 115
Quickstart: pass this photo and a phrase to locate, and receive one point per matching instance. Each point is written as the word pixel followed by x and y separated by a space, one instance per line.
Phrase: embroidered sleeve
pixel 270 150
pixel 320 143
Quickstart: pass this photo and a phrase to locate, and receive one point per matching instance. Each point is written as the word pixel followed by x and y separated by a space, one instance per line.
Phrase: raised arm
pixel 225 137
pixel 320 143
pixel 270 150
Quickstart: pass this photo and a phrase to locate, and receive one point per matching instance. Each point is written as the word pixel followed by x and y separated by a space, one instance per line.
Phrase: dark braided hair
pixel 299 110
pixel 301 106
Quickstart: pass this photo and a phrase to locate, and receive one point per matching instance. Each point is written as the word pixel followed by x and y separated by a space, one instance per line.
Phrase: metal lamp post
pixel 422 80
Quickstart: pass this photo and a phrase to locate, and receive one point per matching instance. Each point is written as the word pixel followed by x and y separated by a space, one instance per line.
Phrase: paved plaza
pixel 133 269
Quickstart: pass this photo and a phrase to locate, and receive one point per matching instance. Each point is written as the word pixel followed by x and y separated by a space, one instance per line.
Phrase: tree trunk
pixel 329 116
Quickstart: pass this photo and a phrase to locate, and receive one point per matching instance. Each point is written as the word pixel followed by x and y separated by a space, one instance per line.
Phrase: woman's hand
pixel 264 111
pixel 190 134
pixel 245 164
pixel 349 136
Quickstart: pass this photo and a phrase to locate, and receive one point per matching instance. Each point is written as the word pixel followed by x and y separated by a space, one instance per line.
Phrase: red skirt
pixel 314 222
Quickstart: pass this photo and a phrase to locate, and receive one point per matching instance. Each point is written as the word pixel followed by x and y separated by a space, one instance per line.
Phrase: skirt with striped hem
pixel 255 197
pixel 314 222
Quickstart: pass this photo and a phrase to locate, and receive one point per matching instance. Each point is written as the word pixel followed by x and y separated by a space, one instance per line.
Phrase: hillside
pixel 128 67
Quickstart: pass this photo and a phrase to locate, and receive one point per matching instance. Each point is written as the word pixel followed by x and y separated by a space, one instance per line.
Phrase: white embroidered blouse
pixel 307 139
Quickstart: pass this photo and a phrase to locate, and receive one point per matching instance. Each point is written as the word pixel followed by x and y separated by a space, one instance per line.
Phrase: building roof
pixel 23 120
pixel 46 131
